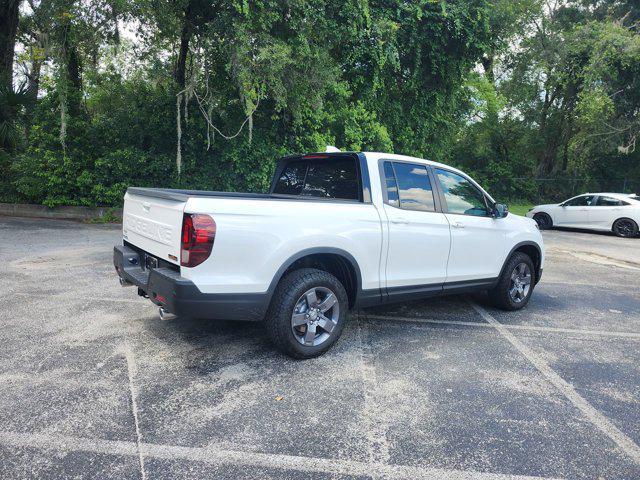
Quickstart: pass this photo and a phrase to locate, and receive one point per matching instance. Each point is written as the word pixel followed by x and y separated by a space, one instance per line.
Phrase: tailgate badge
pixel 172 257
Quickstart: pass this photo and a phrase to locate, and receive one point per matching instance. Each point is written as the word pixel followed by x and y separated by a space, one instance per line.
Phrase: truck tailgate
pixel 153 224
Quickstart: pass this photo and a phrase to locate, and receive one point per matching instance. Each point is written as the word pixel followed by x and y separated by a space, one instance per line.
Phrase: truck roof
pixel 395 156
pixel 375 156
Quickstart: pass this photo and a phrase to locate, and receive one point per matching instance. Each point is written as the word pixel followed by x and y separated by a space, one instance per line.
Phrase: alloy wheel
pixel 315 315
pixel 625 228
pixel 542 220
pixel 520 283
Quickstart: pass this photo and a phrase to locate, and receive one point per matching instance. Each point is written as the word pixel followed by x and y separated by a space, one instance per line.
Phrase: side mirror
pixel 500 210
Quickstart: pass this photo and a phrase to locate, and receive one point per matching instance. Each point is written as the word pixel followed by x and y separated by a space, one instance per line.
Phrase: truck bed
pixel 183 195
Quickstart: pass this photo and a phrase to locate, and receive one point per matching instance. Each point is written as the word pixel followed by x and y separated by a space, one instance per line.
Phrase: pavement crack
pixel 132 370
pixel 375 427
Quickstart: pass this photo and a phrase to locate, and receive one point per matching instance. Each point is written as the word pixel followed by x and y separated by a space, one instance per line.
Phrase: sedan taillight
pixel 198 234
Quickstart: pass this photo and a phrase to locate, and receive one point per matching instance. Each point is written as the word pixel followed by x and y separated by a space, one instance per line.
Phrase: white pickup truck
pixel 337 231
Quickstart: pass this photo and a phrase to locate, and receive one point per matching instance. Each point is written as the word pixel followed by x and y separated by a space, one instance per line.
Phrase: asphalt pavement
pixel 94 385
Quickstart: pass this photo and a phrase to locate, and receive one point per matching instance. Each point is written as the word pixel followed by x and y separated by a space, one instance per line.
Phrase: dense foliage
pixel 102 94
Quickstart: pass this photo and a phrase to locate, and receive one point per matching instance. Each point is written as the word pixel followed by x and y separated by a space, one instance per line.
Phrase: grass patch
pixel 110 216
pixel 520 208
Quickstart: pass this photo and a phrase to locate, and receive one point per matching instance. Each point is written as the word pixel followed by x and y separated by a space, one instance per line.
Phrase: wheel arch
pixel 613 224
pixel 624 218
pixel 545 212
pixel 336 261
pixel 533 250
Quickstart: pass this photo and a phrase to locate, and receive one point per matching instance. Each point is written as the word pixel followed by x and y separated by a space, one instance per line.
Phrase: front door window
pixel 582 201
pixel 461 196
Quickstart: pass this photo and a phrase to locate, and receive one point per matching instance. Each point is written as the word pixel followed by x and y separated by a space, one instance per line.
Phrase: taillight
pixel 198 234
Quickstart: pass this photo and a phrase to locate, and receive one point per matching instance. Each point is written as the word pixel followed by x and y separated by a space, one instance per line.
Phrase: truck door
pixel 419 236
pixel 477 239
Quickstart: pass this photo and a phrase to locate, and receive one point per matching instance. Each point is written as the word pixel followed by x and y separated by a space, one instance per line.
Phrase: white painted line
pixel 428 320
pixel 132 370
pixel 375 428
pixel 534 328
pixel 214 456
pixel 608 285
pixel 602 423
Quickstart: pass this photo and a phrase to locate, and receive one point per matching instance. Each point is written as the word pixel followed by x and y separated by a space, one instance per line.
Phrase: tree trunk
pixel 9 15
pixel 73 71
pixel 33 86
pixel 185 38
pixel 548 155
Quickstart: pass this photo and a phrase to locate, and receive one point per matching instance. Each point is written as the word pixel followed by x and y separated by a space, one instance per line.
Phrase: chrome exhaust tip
pixel 124 283
pixel 165 315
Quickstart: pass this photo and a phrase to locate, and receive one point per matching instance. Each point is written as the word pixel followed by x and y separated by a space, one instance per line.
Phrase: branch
pixel 206 117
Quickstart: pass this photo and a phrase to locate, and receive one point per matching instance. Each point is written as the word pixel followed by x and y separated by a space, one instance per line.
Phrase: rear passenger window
pixel 334 177
pixel 609 202
pixel 413 187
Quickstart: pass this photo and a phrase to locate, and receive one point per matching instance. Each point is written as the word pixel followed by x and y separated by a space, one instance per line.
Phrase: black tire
pixel 288 294
pixel 625 228
pixel 543 220
pixel 500 295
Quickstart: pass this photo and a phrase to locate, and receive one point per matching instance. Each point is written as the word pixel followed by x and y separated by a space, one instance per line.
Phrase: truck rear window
pixel 334 177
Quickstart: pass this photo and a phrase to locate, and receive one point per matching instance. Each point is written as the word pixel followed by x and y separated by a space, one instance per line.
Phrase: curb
pixel 60 213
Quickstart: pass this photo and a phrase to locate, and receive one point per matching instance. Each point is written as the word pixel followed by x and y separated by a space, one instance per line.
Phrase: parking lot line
pixel 375 428
pixel 65 444
pixel 604 333
pixel 602 423
pixel 131 372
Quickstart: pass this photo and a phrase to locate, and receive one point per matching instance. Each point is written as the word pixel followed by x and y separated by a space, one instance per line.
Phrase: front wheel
pixel 543 220
pixel 625 227
pixel 515 285
pixel 307 313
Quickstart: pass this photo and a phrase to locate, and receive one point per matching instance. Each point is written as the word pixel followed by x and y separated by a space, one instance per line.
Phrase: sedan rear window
pixel 333 177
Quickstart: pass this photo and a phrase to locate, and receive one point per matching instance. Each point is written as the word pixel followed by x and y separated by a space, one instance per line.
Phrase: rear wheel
pixel 625 227
pixel 543 220
pixel 307 313
pixel 515 284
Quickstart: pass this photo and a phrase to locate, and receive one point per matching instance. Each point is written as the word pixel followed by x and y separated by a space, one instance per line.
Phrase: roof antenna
pixel 331 149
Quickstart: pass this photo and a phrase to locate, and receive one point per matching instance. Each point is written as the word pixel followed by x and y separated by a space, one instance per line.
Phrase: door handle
pixel 402 221
pixel 457 225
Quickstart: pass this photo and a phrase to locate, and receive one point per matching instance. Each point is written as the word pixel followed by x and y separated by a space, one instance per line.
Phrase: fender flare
pixel 315 251
pixel 516 247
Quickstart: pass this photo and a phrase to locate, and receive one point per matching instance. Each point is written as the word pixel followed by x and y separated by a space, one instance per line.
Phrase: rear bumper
pixel 166 288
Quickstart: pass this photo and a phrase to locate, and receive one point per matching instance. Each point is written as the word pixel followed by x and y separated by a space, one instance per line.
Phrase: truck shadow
pixel 204 346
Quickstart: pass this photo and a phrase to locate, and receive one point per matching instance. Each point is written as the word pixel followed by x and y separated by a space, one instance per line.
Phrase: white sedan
pixel 617 212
